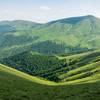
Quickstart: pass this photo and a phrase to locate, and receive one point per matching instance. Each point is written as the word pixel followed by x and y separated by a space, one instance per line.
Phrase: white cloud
pixel 46 8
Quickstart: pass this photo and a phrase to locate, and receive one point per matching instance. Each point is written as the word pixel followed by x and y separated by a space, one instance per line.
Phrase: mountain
pixel 75 34
pixel 16 25
pixel 77 31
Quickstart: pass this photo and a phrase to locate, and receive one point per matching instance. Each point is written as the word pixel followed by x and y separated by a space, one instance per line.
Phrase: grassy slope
pixel 23 75
pixel 87 67
pixel 15 85
pixel 82 34
pixel 54 68
pixel 90 72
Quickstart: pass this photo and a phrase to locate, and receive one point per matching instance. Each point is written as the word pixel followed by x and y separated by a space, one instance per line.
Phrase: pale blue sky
pixel 47 10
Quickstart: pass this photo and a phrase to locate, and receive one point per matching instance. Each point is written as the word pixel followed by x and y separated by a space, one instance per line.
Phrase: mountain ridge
pixel 75 34
pixel 82 16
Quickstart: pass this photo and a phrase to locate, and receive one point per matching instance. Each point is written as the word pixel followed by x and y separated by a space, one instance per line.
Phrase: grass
pixel 87 70
pixel 15 85
pixel 25 76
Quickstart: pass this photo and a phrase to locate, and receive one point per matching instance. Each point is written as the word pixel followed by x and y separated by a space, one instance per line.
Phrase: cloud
pixel 45 8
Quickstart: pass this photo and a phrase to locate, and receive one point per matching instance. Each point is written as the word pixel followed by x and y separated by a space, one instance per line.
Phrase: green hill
pixel 54 67
pixel 61 36
pixel 16 25
pixel 15 85
pixel 58 60
pixel 82 73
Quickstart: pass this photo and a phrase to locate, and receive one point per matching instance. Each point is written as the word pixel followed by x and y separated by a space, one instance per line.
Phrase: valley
pixel 15 85
pixel 58 60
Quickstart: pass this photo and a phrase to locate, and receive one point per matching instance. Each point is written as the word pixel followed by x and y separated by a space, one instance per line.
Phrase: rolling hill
pixel 10 26
pixel 58 60
pixel 61 36
pixel 55 68
pixel 15 85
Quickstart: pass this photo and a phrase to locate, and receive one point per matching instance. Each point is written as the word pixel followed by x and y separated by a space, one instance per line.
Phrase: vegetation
pixel 15 85
pixel 57 37
pixel 53 68
pixel 59 60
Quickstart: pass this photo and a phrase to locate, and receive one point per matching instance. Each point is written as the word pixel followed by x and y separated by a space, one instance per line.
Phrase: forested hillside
pixel 55 68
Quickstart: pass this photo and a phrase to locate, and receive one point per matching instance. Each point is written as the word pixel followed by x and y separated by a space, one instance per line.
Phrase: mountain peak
pixel 74 20
pixel 89 16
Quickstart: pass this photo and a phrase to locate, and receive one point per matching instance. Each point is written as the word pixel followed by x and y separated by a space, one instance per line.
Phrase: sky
pixel 43 11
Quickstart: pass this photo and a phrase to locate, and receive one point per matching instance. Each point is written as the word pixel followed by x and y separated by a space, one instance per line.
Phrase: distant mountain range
pixel 67 35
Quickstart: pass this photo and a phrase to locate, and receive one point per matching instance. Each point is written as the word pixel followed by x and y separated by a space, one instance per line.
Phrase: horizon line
pixel 11 20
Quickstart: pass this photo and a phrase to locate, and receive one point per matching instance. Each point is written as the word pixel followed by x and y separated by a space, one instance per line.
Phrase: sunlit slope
pixel 51 67
pixel 88 73
pixel 87 66
pixel 7 70
pixel 15 85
